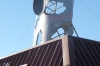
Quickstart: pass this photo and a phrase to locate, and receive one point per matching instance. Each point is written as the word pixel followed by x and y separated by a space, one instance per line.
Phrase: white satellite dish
pixel 38 6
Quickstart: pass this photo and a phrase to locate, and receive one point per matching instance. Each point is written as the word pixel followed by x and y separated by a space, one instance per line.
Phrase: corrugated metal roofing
pixel 87 52
pixel 65 51
pixel 46 55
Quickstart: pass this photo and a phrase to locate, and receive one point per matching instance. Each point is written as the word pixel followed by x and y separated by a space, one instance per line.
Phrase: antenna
pixel 52 15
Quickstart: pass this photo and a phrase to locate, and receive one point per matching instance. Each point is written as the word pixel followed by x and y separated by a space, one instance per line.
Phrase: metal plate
pixel 38 6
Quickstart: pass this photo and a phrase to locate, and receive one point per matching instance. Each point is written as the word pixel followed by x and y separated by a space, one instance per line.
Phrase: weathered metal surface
pixel 65 51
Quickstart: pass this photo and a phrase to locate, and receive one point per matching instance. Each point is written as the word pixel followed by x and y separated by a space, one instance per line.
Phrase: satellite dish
pixel 38 6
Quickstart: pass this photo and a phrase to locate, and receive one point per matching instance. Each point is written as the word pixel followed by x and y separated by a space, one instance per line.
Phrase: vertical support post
pixel 65 51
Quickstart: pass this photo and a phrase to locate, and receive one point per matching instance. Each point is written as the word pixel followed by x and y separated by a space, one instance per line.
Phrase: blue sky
pixel 17 23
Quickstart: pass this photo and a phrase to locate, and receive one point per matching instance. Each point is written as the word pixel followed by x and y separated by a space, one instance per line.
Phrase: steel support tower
pixel 50 16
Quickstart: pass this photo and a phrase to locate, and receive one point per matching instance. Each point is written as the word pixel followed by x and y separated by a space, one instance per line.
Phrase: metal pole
pixel 74 30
